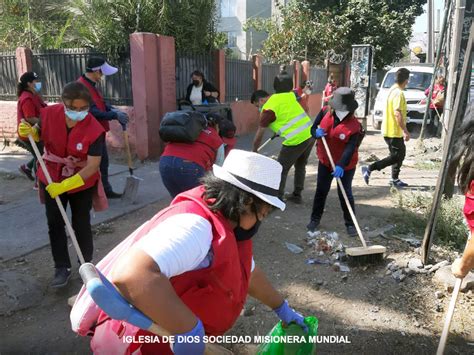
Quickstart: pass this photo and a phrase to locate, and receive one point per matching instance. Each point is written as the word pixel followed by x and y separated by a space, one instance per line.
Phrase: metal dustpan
pixel 130 191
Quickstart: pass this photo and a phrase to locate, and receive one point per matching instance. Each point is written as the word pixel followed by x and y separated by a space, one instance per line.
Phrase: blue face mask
pixel 75 115
pixel 38 86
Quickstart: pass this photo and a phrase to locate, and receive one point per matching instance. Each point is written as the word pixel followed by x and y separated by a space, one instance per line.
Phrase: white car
pixel 420 80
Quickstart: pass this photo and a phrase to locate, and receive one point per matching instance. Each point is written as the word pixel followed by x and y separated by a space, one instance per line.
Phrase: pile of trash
pixel 399 270
pixel 327 249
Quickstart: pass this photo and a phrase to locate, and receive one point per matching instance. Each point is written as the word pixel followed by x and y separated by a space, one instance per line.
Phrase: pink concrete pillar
pixel 306 70
pixel 257 61
pixel 296 73
pixel 24 60
pixel 148 99
pixel 219 71
pixel 166 77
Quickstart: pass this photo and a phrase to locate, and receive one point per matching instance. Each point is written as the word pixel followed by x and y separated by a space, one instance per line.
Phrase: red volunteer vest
pixel 58 142
pixel 202 151
pixel 229 144
pixel 37 102
pixel 216 294
pixel 337 138
pixel 98 100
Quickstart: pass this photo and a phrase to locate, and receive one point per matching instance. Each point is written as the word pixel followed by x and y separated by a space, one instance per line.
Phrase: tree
pixel 31 23
pixel 105 25
pixel 108 23
pixel 308 28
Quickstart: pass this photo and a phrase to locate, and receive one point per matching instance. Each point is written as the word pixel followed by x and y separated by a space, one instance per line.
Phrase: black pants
pixel 397 149
pixel 81 204
pixel 104 169
pixel 298 156
pixel 324 186
pixel 433 128
pixel 32 164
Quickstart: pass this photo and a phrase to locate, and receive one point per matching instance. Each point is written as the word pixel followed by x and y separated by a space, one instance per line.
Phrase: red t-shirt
pixel 328 91
pixel 469 207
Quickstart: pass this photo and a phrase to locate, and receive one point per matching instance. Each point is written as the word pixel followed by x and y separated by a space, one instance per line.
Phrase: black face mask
pixel 196 83
pixel 246 234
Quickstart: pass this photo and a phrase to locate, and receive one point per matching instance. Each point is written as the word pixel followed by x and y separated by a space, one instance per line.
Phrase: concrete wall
pixel 114 137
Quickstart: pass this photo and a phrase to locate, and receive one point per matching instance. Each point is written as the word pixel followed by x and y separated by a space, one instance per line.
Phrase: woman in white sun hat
pixel 192 267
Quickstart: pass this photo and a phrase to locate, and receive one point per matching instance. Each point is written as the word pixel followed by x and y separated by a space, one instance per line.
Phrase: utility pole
pixel 455 43
pixel 430 58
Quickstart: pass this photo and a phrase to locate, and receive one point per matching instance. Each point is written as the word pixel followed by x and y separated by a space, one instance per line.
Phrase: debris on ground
pixel 293 248
pixel 371 158
pixel 379 231
pixel 445 277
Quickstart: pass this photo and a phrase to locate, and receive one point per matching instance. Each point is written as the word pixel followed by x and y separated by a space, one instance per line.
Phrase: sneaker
pixel 112 194
pixel 397 183
pixel 365 173
pixel 35 186
pixel 61 277
pixel 27 172
pixel 351 230
pixel 313 225
pixel 295 198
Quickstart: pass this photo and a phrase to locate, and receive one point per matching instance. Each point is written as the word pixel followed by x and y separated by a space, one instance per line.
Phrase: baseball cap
pixel 28 77
pixel 97 63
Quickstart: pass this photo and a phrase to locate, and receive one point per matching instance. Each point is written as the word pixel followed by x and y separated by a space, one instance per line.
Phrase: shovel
pixel 131 185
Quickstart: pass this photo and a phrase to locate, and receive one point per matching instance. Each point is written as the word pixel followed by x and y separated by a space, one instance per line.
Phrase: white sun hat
pixel 254 173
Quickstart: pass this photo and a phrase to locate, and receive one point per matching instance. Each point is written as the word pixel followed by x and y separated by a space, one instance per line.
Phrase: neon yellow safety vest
pixel 292 122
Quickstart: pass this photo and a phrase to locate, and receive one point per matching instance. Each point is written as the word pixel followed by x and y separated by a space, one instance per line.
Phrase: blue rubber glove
pixel 319 133
pixel 288 315
pixel 122 117
pixel 338 172
pixel 195 346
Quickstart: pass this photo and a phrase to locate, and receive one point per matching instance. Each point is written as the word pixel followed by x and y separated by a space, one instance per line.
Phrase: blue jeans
pixel 179 175
pixel 324 185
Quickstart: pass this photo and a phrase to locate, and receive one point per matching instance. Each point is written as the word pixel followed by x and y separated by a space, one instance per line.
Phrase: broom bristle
pixel 360 260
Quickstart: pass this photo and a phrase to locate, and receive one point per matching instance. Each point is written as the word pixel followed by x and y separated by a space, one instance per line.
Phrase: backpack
pixel 362 131
pixel 182 126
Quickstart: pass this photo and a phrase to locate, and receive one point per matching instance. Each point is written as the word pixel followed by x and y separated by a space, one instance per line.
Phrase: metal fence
pixel 319 78
pixel 269 71
pixel 8 76
pixel 59 67
pixel 186 63
pixel 239 83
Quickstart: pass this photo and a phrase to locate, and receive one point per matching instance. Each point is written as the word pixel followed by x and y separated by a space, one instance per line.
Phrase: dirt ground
pixel 376 313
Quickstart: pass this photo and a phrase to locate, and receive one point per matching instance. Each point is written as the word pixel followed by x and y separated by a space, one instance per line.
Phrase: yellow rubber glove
pixel 25 129
pixel 57 188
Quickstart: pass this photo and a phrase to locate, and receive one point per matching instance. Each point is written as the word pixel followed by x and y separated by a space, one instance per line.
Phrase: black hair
pixel 232 202
pixel 257 95
pixel 283 82
pixel 25 79
pixel 20 87
pixel 75 91
pixel 402 75
pixel 198 73
pixel 464 149
pixel 213 119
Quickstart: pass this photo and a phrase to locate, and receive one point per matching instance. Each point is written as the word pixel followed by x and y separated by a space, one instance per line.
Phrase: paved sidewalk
pixel 19 238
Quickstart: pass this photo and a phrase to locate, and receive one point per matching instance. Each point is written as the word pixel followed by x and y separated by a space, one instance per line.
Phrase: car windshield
pixel 417 81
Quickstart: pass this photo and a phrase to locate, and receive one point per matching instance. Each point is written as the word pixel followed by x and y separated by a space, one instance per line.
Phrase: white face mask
pixel 341 114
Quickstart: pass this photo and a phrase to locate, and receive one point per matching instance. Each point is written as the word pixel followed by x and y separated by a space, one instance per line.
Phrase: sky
pixel 421 23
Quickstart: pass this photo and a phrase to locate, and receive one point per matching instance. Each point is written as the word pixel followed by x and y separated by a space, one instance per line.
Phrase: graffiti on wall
pixel 361 74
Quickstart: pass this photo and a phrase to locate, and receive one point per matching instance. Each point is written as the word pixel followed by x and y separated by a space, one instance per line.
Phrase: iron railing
pixel 239 83
pixel 8 76
pixel 186 63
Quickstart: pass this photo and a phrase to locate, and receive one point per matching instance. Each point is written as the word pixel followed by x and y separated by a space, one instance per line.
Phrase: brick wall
pixel 8 120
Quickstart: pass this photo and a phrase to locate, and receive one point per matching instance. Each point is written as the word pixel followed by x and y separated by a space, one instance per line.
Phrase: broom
pixel 357 255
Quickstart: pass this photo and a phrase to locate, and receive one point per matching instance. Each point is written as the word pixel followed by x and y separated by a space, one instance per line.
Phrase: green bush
pixel 414 208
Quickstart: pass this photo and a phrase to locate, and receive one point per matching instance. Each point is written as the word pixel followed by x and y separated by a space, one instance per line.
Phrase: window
pixel 228 8
pixel 231 39
pixel 417 80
